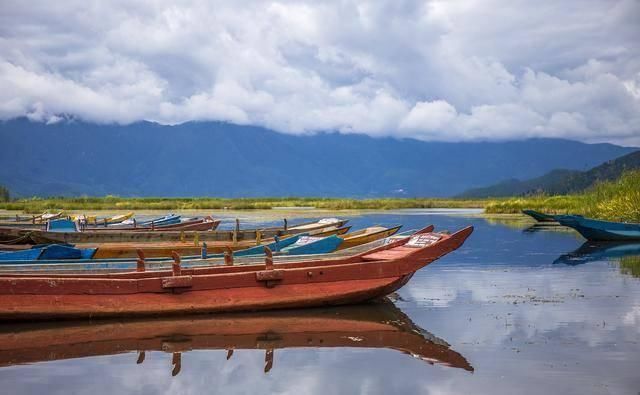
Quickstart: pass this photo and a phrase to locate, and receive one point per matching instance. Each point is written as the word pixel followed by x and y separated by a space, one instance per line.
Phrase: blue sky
pixel 433 70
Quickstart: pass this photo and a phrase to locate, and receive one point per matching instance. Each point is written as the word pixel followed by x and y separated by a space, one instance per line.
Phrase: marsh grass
pixel 613 200
pixel 39 205
pixel 616 200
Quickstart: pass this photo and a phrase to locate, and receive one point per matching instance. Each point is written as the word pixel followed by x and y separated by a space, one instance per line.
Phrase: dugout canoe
pixel 539 217
pixel 297 284
pixel 598 230
pixel 374 325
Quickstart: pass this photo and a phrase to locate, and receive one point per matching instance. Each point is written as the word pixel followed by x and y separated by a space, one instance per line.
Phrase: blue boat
pixel 539 217
pixel 313 245
pixel 54 252
pixel 62 225
pixel 598 230
pixel 169 219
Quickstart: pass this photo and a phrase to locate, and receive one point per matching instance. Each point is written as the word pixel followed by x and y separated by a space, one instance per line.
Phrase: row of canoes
pixel 68 233
pixel 591 229
pixel 295 269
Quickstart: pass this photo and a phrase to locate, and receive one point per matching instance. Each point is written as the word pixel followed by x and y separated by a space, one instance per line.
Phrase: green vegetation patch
pixel 612 200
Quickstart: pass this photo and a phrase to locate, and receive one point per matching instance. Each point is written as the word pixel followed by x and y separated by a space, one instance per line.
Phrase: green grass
pixel 39 205
pixel 614 200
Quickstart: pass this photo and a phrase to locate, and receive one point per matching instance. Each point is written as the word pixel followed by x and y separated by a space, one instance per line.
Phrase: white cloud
pixel 435 70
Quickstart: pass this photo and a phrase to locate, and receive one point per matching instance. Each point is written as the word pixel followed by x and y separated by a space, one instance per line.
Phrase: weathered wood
pixel 221 288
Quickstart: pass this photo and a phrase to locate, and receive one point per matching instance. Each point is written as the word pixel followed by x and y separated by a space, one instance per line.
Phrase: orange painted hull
pixel 154 250
pixel 221 288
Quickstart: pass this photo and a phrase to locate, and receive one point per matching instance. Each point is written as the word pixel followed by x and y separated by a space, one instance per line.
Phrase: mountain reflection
pixel 380 325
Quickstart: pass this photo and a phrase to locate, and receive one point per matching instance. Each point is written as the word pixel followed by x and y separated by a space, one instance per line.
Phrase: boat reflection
pixel 380 325
pixel 625 253
pixel 546 227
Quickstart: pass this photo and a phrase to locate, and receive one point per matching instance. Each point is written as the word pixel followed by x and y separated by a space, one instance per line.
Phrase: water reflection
pixel 379 325
pixel 626 254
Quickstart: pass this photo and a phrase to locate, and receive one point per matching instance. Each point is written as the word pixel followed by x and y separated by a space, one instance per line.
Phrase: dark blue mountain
pixel 560 182
pixel 220 159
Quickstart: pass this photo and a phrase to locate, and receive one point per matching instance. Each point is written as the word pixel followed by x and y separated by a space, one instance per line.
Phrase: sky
pixel 454 70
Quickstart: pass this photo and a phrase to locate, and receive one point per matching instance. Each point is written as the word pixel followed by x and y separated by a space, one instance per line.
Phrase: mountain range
pixel 72 158
pixel 561 181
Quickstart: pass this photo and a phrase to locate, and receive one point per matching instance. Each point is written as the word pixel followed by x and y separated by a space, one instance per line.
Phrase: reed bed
pixel 614 200
pixel 39 205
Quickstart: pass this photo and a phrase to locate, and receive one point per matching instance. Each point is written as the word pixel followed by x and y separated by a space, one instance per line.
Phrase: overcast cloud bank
pixel 432 70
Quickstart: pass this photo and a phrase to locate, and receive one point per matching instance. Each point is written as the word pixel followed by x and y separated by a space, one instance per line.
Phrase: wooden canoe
pixel 195 224
pixel 367 235
pixel 379 325
pixel 295 284
pixel 598 230
pixel 44 237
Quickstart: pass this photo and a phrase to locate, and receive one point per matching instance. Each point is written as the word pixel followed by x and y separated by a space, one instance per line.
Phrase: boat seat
pixel 415 242
pixel 394 253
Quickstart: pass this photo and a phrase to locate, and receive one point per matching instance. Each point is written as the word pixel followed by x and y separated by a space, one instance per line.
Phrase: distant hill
pixel 560 182
pixel 73 158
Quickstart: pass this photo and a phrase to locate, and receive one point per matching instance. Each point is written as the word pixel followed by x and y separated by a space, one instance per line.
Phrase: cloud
pixel 434 70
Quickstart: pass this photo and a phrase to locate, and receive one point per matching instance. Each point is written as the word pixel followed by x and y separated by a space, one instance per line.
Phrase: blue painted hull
pixel 597 230
pixel 52 252
pixel 322 246
pixel 166 220
pixel 538 216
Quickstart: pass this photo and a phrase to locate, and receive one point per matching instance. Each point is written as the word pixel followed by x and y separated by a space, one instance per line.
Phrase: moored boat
pixel 538 216
pixel 599 230
pixel 367 235
pixel 335 281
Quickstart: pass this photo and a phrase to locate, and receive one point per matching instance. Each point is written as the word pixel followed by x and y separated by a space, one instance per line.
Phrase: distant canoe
pixel 598 230
pixel 367 235
pixel 255 235
pixel 194 224
pixel 216 289
pixel 538 216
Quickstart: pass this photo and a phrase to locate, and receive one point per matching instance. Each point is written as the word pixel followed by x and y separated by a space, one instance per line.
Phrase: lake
pixel 517 310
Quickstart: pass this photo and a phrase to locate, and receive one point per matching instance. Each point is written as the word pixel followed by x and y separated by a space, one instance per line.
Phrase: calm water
pixel 514 311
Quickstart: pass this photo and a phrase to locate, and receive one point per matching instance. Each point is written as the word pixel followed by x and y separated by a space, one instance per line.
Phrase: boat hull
pixel 597 230
pixel 43 307
pixel 538 216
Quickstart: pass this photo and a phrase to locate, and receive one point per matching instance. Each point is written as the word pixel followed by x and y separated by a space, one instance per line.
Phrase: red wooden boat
pixel 332 281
